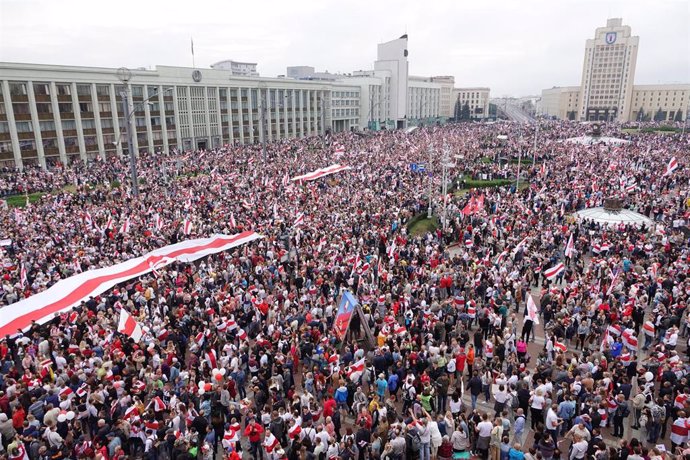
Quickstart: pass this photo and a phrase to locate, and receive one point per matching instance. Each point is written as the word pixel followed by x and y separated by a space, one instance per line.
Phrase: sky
pixel 515 47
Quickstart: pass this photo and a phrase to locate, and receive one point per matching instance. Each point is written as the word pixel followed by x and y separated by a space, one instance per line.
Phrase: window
pixel 49 143
pixel 84 90
pixel 21 109
pixel 65 107
pixel 68 125
pixel 44 108
pixel 24 127
pixel 137 91
pixel 106 122
pixel 84 107
pixel 103 90
pixel 4 127
pixel 41 89
pixel 47 125
pixel 17 89
pixel 88 124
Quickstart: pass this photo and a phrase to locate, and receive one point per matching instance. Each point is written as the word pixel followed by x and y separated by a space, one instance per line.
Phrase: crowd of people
pixel 466 346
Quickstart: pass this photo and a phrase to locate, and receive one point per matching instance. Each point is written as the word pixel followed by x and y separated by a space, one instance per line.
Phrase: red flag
pixel 129 326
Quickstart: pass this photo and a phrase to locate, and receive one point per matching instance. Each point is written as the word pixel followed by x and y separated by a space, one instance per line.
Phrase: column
pixel 147 116
pixel 116 120
pixel 97 120
pixel 294 112
pixel 302 111
pixel 220 119
pixel 35 124
pixel 268 129
pixel 9 110
pixel 207 119
pixel 77 120
pixel 250 114
pixel 164 124
pixel 286 95
pixel 308 107
pixel 231 122
pixel 176 109
pixel 190 106
pixel 58 122
pixel 241 116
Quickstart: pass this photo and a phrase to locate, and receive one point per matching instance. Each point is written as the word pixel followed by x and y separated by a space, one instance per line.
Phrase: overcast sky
pixel 516 47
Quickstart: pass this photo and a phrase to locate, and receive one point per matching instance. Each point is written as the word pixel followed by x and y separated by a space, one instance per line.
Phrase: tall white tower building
pixel 392 63
pixel 608 73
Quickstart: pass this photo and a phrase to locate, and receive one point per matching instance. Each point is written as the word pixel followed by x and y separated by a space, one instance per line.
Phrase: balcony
pixel 20 98
pixel 51 151
pixel 45 116
pixel 22 116
pixel 25 136
pixel 86 115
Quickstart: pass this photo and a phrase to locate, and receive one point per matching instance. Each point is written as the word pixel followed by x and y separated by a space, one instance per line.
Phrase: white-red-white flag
pixel 187 226
pixel 286 179
pixel 570 247
pixel 125 226
pixel 23 276
pixel 129 326
pixel 233 224
pixel 157 221
pixel 553 272
pixel 672 166
pixel 355 370
pixel 299 219
pixel 532 312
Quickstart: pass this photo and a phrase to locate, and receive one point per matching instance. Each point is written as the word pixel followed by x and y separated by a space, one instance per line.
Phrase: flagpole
pixel 193 63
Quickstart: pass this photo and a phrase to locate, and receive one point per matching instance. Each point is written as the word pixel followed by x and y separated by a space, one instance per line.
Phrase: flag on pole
pixel 672 166
pixel 233 224
pixel 570 247
pixel 532 312
pixel 192 40
pixel 157 221
pixel 187 226
pixel 299 219
pixel 553 272
pixel 125 226
pixel 22 276
pixel 355 370
pixel 129 326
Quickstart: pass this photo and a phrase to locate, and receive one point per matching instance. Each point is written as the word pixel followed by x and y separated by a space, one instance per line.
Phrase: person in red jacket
pixel 254 431
pixel 329 407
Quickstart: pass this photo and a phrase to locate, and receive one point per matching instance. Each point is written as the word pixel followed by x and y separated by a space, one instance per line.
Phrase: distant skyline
pixel 516 48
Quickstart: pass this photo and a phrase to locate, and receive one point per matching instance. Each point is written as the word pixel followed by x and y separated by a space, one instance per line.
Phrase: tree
pixel 457 111
pixel 659 115
pixel 679 116
pixel 640 114
pixel 465 115
pixel 571 115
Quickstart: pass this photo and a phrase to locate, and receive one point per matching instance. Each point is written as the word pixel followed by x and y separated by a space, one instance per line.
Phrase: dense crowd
pixel 239 356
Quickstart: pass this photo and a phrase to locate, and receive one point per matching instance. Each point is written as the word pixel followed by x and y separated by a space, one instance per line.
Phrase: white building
pixel 607 90
pixel 391 64
pixel 608 73
pixel 60 113
pixel 236 68
pixel 477 100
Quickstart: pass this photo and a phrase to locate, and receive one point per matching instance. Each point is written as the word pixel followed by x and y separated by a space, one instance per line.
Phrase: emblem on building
pixel 196 76
pixel 610 38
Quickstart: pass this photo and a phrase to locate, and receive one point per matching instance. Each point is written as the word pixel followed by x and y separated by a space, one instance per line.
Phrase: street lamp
pixel 124 75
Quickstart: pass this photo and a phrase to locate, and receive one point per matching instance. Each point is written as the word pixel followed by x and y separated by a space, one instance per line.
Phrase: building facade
pixel 236 68
pixel 559 102
pixel 391 63
pixel 477 99
pixel 660 102
pixel 608 73
pixel 58 113
pixel 607 91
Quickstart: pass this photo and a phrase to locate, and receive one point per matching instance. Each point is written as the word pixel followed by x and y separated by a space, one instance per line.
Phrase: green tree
pixel 465 115
pixel 679 116
pixel 571 115
pixel 659 115
pixel 640 114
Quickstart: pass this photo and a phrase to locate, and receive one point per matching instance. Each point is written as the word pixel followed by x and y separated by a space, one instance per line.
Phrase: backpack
pixel 414 440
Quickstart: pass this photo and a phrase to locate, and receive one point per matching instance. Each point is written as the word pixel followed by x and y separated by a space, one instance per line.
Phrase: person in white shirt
pixel 553 422
pixel 579 448
pixel 484 435
pixel 537 403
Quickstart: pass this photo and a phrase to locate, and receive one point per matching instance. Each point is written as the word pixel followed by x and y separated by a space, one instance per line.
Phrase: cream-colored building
pixel 608 73
pixel 607 91
pixel 660 102
pixel 476 98
pixel 559 102
pixel 447 102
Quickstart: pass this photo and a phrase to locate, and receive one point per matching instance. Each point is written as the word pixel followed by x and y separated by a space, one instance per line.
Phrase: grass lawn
pixel 419 224
pixel 19 201
pixel 479 183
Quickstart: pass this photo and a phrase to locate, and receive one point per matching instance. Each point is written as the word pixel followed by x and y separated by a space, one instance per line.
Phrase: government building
pixel 607 91
pixel 51 113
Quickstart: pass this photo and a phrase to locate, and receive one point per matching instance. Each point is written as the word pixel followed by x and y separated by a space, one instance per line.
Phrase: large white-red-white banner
pixel 70 292
pixel 336 168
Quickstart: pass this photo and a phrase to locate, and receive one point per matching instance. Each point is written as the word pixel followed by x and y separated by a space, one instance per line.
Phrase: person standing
pixel 253 431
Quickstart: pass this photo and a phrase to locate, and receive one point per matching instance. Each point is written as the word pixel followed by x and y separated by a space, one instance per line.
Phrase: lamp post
pixel 517 178
pixel 124 75
pixel 446 165
pixel 431 185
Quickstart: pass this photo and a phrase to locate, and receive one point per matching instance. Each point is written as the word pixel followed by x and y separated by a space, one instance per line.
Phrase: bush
pixel 115 184
pixel 478 183
pixel 420 225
